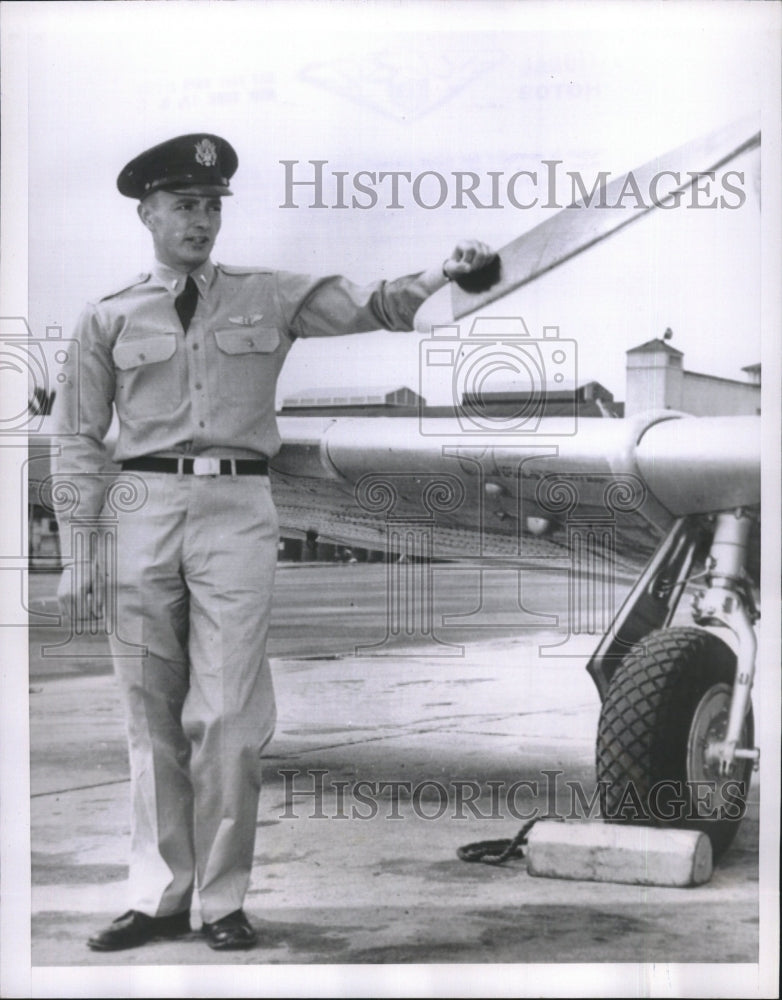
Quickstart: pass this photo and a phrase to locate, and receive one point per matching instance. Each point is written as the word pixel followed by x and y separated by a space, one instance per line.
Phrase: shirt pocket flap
pixel 132 353
pixel 248 340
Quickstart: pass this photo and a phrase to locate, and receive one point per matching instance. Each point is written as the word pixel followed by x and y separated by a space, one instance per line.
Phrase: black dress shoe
pixel 135 928
pixel 231 932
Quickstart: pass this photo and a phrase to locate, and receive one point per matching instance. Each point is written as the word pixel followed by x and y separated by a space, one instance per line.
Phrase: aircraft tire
pixel 667 697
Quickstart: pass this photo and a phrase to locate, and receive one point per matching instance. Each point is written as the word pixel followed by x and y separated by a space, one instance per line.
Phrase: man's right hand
pixel 79 596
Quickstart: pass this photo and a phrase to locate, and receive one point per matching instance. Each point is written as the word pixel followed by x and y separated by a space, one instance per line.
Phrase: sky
pixel 459 87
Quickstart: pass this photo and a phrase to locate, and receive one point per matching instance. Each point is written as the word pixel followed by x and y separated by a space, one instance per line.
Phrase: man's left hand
pixel 468 256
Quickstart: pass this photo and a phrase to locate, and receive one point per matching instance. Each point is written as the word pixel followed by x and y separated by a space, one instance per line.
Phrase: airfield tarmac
pixel 384 762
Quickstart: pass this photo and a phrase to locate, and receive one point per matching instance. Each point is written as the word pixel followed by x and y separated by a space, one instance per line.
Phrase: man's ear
pixel 145 213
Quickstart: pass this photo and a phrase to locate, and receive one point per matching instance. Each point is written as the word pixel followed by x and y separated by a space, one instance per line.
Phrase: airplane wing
pixel 352 480
pixel 569 232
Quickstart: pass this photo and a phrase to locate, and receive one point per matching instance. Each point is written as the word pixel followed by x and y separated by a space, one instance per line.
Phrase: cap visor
pixel 202 190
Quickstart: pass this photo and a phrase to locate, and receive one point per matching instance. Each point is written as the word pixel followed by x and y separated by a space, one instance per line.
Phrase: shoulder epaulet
pixel 138 280
pixel 228 269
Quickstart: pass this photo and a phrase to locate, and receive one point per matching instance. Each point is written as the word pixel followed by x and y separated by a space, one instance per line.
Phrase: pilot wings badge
pixel 246 320
pixel 206 153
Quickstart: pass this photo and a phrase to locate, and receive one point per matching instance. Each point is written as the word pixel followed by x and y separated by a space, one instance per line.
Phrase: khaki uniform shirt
pixel 210 391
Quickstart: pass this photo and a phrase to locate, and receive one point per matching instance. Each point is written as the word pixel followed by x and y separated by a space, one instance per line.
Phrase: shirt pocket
pixel 248 340
pixel 149 380
pixel 248 361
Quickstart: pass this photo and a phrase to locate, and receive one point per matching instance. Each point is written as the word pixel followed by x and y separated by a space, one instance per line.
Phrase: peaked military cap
pixel 198 160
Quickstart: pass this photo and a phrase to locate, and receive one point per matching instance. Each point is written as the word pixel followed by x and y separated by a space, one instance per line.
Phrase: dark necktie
pixel 185 303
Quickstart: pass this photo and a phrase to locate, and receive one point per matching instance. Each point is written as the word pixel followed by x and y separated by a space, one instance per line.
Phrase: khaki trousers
pixel 193 584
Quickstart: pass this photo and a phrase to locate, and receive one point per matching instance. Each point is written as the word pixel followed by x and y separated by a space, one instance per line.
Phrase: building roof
pixel 512 393
pixel 652 346
pixel 723 381
pixel 351 396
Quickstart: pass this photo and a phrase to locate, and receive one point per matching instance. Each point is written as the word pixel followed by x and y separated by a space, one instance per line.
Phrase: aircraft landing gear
pixel 667 704
pixel 675 737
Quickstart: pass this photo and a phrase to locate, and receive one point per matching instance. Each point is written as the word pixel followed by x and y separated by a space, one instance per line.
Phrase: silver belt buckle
pixel 206 466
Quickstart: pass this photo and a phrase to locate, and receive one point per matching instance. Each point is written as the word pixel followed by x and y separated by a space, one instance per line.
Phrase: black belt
pixel 199 466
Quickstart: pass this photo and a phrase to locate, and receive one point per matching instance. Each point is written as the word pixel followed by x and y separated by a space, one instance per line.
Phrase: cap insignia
pixel 206 153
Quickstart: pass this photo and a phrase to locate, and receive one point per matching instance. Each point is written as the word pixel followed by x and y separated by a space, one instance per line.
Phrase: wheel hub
pixel 709 724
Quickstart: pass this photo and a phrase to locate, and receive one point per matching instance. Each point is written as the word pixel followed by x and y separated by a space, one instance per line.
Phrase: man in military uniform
pixel 189 353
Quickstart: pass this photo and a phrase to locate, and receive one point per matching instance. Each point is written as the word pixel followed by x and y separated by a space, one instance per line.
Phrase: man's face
pixel 184 227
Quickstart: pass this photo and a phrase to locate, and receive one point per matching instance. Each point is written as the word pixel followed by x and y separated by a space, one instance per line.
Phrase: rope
pixel 495 852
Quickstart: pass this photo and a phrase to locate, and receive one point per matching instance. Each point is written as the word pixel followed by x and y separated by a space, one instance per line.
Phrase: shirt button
pixel 195 347
pixel 201 423
pixel 198 385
